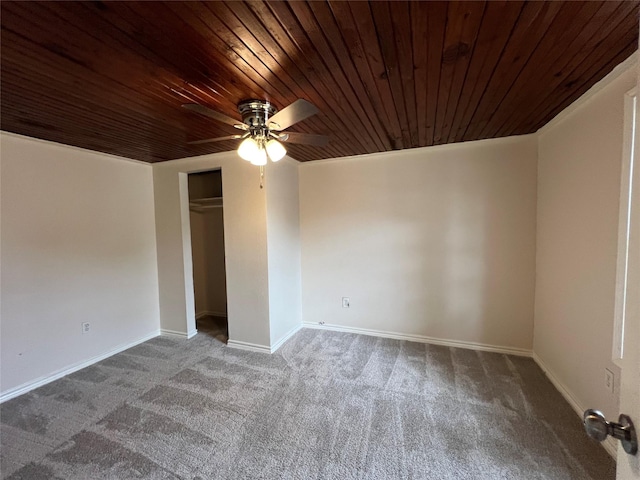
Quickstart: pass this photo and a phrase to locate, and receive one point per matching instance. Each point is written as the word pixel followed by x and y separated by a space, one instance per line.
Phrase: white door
pixel 628 467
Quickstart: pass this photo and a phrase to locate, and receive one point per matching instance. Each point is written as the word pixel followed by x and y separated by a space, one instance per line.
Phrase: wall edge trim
pixel 252 347
pixel 109 156
pixel 39 382
pixel 521 352
pixel 609 444
pixel 286 337
pixel 173 333
pixel 429 149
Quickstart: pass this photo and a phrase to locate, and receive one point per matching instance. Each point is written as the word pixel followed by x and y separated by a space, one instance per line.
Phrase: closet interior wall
pixel 207 243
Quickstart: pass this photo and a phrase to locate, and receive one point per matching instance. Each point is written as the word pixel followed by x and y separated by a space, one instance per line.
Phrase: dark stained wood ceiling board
pixel 112 76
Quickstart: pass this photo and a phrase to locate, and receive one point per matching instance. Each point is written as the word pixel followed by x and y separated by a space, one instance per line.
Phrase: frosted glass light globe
pixel 248 149
pixel 260 157
pixel 275 150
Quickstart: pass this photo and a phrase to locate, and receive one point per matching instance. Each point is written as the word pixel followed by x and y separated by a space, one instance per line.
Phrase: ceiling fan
pixel 263 127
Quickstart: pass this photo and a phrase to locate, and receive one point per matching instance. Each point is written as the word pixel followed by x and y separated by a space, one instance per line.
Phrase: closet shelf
pixel 202 204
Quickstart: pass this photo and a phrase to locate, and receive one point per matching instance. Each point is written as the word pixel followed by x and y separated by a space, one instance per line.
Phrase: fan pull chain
pixel 261 176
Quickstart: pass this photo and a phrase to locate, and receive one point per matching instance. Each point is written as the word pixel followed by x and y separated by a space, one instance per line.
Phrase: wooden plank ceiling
pixel 112 76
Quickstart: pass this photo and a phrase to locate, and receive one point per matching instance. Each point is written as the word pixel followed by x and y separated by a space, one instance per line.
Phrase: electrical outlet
pixel 86 326
pixel 609 379
pixel 345 302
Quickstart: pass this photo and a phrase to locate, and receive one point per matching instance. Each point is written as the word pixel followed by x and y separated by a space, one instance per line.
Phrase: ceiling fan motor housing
pixel 256 113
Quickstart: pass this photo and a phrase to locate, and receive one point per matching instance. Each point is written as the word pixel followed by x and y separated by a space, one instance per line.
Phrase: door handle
pixel 599 429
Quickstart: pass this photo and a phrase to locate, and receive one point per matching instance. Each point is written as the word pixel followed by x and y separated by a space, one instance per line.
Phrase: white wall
pixel 580 155
pixel 434 242
pixel 245 241
pixel 78 245
pixel 283 247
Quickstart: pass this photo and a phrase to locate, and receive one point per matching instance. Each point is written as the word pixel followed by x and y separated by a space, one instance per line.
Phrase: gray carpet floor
pixel 327 405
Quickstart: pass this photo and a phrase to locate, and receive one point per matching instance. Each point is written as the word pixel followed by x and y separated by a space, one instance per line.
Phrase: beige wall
pixel 580 154
pixel 78 245
pixel 245 241
pixel 434 242
pixel 283 246
pixel 262 280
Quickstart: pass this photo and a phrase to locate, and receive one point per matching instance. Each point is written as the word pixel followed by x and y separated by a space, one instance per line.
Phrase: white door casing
pixel 628 467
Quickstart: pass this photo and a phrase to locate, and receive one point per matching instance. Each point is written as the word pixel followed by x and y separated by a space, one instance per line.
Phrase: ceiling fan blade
pixel 294 113
pixel 305 138
pixel 221 117
pixel 218 139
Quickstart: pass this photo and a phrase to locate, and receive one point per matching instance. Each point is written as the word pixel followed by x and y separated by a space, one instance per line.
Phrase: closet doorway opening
pixel 207 251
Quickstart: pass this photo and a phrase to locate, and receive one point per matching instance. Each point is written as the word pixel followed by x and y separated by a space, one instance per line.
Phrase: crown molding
pixel 71 147
pixel 622 68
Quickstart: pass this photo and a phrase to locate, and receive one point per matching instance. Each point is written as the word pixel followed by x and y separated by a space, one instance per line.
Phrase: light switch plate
pixel 609 380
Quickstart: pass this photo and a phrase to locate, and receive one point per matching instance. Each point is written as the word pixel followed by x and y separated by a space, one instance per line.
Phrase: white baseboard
pixel 39 382
pixel 423 339
pixel 172 333
pixel 210 313
pixel 175 333
pixel 285 337
pixel 610 444
pixel 253 347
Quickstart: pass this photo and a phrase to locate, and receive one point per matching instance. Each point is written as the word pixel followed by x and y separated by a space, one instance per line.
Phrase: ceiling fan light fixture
pixel 264 128
pixel 248 149
pixel 259 158
pixel 275 150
